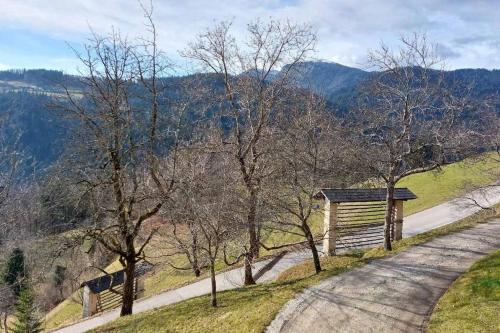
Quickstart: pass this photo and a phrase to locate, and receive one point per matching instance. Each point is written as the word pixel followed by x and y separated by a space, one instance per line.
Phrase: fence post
pixel 89 302
pixel 139 287
pixel 330 226
pixel 398 220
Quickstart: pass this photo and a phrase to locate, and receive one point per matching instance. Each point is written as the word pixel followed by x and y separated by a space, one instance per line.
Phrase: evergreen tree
pixel 14 274
pixel 28 320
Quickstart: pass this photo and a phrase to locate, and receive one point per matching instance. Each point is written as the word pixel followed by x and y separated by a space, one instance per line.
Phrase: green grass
pixel 251 309
pixel 472 303
pixel 433 188
pixel 63 314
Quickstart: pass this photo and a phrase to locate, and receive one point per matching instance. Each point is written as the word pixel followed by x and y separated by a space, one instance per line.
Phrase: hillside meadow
pixel 432 188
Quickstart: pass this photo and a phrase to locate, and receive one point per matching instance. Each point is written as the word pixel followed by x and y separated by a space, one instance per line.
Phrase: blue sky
pixel 24 48
pixel 36 34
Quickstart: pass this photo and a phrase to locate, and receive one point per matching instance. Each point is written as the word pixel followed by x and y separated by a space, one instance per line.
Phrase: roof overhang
pixel 109 281
pixel 339 195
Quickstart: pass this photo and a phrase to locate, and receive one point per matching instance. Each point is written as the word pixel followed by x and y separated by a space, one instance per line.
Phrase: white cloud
pixel 346 28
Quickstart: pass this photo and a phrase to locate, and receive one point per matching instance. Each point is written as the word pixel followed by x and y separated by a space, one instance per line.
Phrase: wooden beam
pixel 398 219
pixel 330 225
pixel 89 302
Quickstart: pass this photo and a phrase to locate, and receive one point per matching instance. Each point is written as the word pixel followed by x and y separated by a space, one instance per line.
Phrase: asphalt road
pixel 426 220
pixel 396 294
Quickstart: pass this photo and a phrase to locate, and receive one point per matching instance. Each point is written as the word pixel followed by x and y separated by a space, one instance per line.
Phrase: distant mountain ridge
pixel 25 95
pixel 327 78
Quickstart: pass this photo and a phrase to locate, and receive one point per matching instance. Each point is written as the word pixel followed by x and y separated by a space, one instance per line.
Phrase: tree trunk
pixel 194 249
pixel 252 226
pixel 5 327
pixel 128 289
pixel 214 284
pixel 248 270
pixel 312 246
pixel 388 215
pixel 254 240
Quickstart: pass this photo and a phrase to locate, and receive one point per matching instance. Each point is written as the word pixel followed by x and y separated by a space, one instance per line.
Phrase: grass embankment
pixel 251 309
pixel 432 188
pixel 472 303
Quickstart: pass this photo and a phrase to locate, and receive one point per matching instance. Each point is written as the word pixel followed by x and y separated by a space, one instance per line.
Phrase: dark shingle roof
pixel 105 282
pixel 363 195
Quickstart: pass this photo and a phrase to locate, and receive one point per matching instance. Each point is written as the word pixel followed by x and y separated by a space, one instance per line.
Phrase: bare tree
pixel 479 195
pixel 309 157
pixel 201 218
pixel 216 217
pixel 121 162
pixel 409 122
pixel 251 93
pixel 182 231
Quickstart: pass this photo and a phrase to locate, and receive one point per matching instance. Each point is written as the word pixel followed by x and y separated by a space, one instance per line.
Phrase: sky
pixel 42 33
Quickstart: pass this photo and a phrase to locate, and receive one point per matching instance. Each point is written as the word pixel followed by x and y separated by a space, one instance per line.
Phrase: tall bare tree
pixel 409 122
pixel 182 232
pixel 216 216
pixel 251 94
pixel 202 216
pixel 120 162
pixel 479 194
pixel 309 157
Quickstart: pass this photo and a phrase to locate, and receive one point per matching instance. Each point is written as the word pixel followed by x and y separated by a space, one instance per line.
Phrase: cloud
pixel 472 39
pixel 446 52
pixel 346 28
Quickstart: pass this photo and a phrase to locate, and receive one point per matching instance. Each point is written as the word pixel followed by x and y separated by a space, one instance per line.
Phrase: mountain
pixel 25 96
pixel 327 78
pixel 339 83
pixel 36 81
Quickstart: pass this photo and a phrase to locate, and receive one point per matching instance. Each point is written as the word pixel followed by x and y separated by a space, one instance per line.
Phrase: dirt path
pixel 396 294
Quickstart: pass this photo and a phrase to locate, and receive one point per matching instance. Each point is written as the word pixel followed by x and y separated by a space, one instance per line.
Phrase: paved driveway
pixel 396 294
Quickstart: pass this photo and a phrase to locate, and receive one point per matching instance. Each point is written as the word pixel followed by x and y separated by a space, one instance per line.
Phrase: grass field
pixel 251 309
pixel 472 304
pixel 432 188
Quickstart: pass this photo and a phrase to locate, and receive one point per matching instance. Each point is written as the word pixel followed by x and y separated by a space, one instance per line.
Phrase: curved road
pixel 396 294
pixel 423 221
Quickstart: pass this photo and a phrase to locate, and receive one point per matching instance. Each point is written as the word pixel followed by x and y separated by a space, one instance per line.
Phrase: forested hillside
pixel 26 97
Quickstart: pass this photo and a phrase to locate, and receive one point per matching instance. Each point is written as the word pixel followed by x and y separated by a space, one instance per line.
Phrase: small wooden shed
pixel 97 296
pixel 360 219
